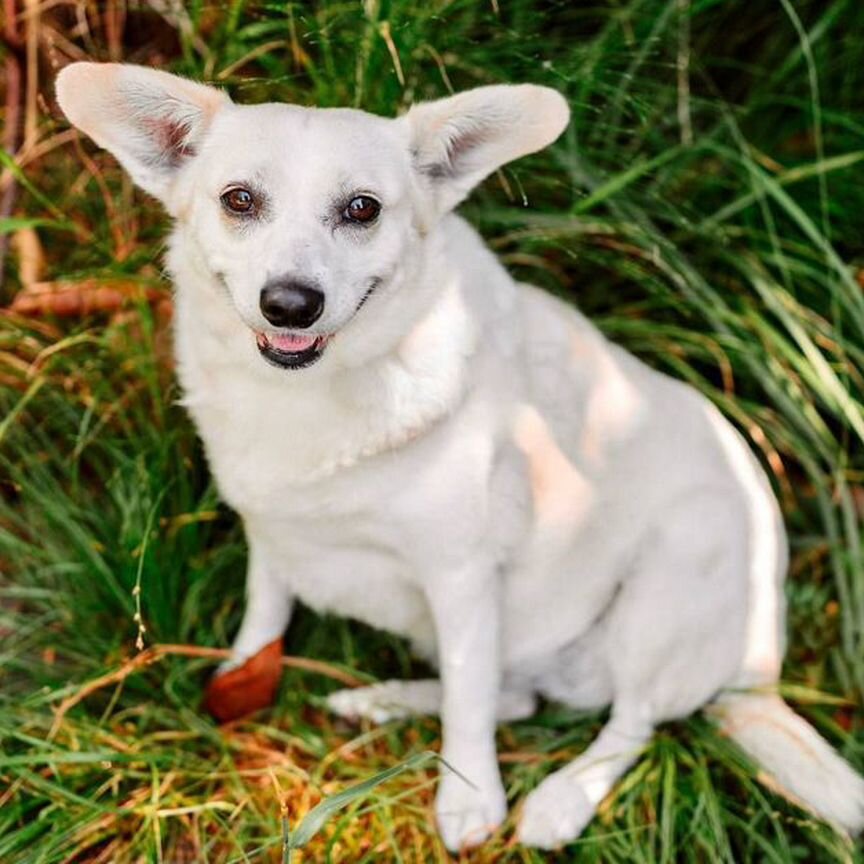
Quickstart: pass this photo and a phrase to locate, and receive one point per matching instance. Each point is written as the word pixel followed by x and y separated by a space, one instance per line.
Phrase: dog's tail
pixel 801 763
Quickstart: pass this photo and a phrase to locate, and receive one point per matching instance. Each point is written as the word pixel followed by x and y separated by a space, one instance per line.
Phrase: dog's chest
pixel 267 449
pixel 263 453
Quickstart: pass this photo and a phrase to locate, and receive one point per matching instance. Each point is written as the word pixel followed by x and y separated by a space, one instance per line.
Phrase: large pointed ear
pixel 458 141
pixel 151 121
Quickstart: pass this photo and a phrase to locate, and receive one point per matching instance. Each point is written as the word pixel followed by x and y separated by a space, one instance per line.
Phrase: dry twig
pixel 12 115
pixel 158 652
pixel 84 297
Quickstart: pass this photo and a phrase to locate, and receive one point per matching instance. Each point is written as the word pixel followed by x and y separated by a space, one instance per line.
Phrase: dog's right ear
pixel 151 121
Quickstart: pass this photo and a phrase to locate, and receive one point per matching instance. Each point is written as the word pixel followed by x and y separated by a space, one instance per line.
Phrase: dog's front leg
pixel 248 681
pixel 465 605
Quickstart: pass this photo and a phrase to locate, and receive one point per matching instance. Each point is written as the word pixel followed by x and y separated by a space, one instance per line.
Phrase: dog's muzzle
pixel 291 303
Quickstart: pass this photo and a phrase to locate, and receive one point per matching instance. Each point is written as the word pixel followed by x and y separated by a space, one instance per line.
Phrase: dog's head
pixel 303 214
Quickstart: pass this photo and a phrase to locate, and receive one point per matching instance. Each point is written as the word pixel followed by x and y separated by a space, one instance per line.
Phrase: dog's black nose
pixel 289 303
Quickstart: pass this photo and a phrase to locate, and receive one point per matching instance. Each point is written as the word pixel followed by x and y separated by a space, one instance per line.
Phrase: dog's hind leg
pixel 674 636
pixel 394 700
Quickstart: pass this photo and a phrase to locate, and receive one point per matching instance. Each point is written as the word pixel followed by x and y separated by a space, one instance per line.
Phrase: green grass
pixel 706 208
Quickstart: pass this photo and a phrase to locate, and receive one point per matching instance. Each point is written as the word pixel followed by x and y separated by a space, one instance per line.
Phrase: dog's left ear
pixel 458 141
pixel 151 121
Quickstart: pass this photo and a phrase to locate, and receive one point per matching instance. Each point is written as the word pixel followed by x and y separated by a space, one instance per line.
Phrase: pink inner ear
pixel 465 141
pixel 171 138
pixel 459 145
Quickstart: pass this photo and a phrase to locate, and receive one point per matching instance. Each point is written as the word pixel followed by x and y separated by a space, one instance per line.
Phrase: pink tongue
pixel 289 342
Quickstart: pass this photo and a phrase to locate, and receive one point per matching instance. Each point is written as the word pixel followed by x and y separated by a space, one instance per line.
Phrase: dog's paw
pixel 245 688
pixel 377 703
pixel 468 815
pixel 555 813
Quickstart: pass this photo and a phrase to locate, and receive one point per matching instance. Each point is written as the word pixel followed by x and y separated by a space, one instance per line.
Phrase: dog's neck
pixel 330 416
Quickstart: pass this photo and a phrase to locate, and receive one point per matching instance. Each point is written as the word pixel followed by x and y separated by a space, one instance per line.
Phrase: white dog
pixel 416 441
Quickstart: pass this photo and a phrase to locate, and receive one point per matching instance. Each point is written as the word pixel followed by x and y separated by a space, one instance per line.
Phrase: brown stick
pixel 158 652
pixel 12 116
pixel 84 297
pixel 115 20
pixel 31 76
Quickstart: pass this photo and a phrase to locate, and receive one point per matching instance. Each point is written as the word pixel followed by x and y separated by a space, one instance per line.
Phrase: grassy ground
pixel 705 208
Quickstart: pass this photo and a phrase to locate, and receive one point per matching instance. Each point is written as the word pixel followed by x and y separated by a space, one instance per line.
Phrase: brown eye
pixel 362 209
pixel 238 200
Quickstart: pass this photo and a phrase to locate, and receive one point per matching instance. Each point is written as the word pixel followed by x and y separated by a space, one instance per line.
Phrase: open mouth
pixel 289 350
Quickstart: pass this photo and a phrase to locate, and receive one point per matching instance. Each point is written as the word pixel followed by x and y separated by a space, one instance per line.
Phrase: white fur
pixel 470 464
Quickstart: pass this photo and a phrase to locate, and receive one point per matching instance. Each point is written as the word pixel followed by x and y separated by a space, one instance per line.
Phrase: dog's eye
pixel 238 200
pixel 363 208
